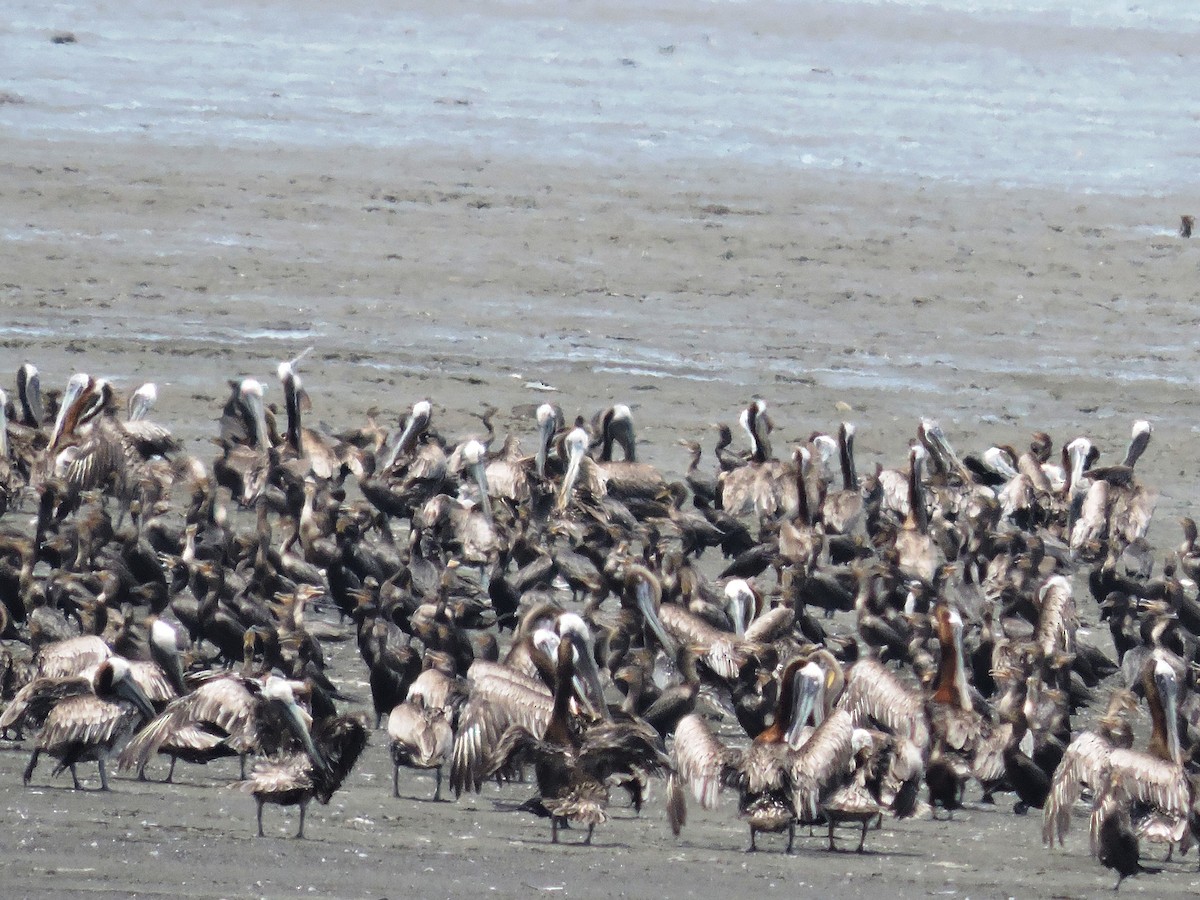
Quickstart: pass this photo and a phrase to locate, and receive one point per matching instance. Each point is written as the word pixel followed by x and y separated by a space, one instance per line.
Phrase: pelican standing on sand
pixel 91 726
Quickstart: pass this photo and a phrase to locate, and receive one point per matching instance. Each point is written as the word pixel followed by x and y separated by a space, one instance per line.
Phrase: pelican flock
pixel 832 648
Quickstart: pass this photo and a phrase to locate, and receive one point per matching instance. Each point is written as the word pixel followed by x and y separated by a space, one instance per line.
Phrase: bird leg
pixel 32 765
pixel 260 806
pixel 553 829
pixel 863 840
pixel 832 847
pixel 752 848
pixel 303 808
pixel 587 841
pixel 75 778
pixel 395 780
pixel 791 836
pixel 103 775
pixel 437 791
pixel 171 771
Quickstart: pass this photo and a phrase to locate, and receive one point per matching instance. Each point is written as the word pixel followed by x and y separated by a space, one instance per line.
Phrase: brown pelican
pixel 776 784
pixel 1154 780
pixel 801 540
pixel 915 551
pixel 91 449
pixel 91 726
pixel 410 469
pixel 218 719
pixel 842 510
pixel 324 759
pixel 71 656
pixel 572 769
pixel 575 444
pixel 141 402
pixel 497 696
pixel 243 468
pixel 762 487
pixel 9 482
pixel 474 456
pixel 550 422
pixel 405 443
pixel 29 395
pixel 1117 509
pixel 628 478
pixel 420 730
pixel 24 431
pixel 323 454
pixel 964 743
pixel 1084 764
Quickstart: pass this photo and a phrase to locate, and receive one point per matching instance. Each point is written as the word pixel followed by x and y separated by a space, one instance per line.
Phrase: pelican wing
pixel 822 765
pixel 1085 764
pixel 723 653
pixel 499 697
pixel 1154 782
pixel 1159 787
pixel 72 656
pixel 772 625
pixel 702 762
pixel 609 748
pixel 876 695
pixel 149 438
pixel 221 708
pixel 80 720
pixel 33 702
pixel 518 746
pixel 152 680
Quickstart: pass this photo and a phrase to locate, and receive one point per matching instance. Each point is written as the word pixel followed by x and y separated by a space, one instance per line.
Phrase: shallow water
pixel 1034 94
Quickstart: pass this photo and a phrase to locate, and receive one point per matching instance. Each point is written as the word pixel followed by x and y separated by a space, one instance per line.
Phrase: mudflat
pixel 682 292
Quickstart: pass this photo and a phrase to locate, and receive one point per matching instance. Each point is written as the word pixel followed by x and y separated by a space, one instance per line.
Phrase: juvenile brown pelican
pixel 421 728
pixel 508 474
pixel 421 738
pixel 317 770
pixel 91 726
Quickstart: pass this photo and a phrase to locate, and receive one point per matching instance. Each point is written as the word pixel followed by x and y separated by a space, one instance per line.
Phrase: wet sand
pixel 682 292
